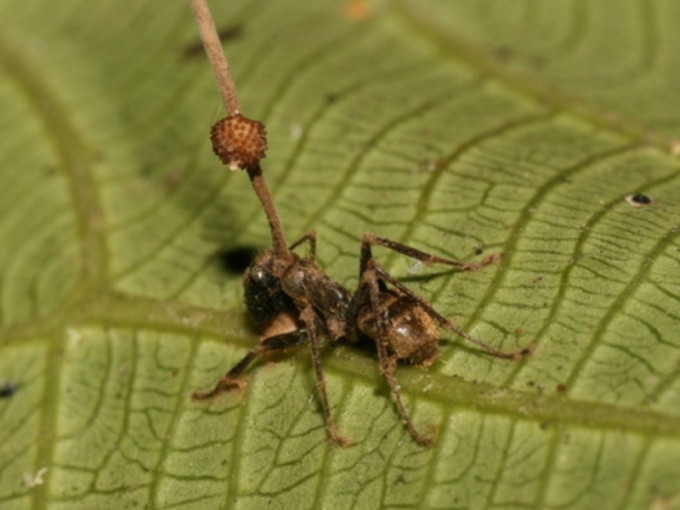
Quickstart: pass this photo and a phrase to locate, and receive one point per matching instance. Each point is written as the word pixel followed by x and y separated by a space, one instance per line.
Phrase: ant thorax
pixel 308 285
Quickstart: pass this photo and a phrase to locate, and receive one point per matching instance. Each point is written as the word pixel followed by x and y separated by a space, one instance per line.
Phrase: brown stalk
pixel 218 61
pixel 279 244
pixel 220 67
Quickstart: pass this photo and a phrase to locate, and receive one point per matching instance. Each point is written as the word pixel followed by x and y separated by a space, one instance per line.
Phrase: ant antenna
pixel 238 141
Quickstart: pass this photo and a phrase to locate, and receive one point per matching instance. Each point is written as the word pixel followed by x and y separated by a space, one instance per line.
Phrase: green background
pixel 463 128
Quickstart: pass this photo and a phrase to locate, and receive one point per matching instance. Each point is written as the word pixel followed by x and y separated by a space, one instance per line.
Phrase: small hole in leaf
pixel 8 389
pixel 638 199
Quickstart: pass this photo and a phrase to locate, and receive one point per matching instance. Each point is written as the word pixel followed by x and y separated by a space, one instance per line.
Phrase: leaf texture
pixel 462 128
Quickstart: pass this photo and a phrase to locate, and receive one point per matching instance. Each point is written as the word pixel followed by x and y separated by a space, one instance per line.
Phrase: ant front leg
pixel 232 379
pixel 311 238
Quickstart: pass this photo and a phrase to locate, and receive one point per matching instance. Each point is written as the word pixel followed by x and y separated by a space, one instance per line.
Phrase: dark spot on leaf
pixel 479 250
pixel 226 34
pixel 331 98
pixel 561 388
pixel 528 350
pixel 538 62
pixel 638 199
pixel 8 389
pixel 235 260
pixel 503 53
pixel 544 425
pixel 173 179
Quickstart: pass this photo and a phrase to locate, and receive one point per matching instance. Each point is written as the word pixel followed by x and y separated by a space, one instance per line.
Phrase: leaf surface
pixel 461 128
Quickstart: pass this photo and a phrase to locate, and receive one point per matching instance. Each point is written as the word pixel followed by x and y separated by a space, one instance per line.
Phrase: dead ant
pixel 293 302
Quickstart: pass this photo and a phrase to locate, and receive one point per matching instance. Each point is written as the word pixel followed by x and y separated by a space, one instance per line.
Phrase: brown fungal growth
pixel 238 141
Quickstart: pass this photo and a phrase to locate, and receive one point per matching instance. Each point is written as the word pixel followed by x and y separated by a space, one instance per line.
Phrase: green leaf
pixel 461 128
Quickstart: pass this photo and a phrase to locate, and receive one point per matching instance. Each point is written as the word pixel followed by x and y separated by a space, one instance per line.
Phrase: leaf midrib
pixel 538 405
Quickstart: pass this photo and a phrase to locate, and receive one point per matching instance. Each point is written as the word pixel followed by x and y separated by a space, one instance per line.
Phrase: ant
pixel 293 302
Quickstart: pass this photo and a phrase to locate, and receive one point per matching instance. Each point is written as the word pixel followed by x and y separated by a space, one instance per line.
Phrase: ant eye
pixel 238 141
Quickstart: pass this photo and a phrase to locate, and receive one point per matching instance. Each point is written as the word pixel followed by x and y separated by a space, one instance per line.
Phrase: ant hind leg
pixel 388 363
pixel 443 321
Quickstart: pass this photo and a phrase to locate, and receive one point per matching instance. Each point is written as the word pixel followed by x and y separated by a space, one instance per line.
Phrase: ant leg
pixel 409 251
pixel 308 316
pixel 443 321
pixel 311 238
pixel 232 379
pixel 388 363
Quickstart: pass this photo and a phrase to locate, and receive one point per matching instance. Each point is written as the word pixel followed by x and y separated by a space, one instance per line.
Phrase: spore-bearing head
pixel 238 141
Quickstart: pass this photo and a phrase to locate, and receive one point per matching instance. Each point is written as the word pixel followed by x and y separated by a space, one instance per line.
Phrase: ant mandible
pixel 291 299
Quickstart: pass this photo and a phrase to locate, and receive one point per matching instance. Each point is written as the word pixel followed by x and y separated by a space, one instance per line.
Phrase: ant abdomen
pixel 411 334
